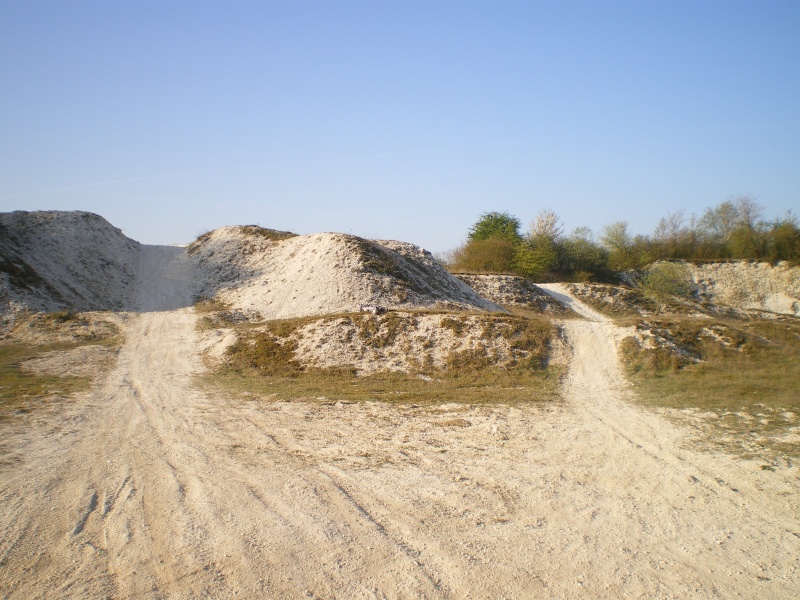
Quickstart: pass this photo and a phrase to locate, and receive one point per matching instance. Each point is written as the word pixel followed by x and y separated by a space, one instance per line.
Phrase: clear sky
pixel 396 119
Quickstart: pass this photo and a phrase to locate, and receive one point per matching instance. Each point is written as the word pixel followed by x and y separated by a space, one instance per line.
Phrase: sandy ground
pixel 150 488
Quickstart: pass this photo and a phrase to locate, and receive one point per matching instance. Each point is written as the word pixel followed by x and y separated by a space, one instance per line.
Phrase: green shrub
pixel 490 255
pixel 665 280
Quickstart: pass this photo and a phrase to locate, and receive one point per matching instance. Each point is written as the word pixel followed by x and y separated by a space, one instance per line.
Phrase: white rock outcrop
pixel 749 285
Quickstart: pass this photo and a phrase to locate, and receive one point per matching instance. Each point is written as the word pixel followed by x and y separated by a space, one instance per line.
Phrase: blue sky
pixel 396 119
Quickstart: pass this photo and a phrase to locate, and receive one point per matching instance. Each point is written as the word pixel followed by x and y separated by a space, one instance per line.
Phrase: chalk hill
pixel 51 260
pixel 280 275
pixel 54 260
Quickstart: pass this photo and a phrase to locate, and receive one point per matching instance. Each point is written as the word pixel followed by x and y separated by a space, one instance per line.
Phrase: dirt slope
pixel 54 259
pixel 148 487
pixel 277 277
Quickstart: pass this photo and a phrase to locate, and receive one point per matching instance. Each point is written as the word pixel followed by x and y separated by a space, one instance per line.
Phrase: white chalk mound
pixel 50 260
pixel 53 260
pixel 276 275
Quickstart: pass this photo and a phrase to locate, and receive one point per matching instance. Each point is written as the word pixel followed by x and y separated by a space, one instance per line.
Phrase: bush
pixel 533 260
pixel 664 280
pixel 492 255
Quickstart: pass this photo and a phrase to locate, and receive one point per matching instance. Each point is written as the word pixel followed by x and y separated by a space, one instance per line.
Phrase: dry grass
pixel 744 362
pixel 263 362
pixel 204 305
pixel 744 378
pixel 467 387
pixel 263 232
pixel 22 390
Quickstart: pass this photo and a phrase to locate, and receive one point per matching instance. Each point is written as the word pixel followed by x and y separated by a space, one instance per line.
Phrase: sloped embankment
pixel 51 260
pixel 511 290
pixel 397 341
pixel 276 275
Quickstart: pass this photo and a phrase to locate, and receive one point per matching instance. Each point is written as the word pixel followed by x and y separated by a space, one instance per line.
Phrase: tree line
pixel 734 229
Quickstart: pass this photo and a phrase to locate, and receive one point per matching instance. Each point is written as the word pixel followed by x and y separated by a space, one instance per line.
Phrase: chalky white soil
pixel 148 487
pixel 323 273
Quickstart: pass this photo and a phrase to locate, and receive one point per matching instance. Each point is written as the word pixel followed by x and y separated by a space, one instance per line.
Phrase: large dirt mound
pixel 274 275
pixel 51 260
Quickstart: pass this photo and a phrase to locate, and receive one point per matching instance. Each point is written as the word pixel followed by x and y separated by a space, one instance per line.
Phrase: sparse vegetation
pixel 204 305
pixel 269 234
pixel 61 316
pixel 250 230
pixel 736 370
pixel 264 362
pixel 380 260
pixel 22 390
pixel 264 354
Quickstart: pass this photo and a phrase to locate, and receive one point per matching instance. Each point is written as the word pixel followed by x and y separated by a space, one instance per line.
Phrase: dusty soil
pixel 148 487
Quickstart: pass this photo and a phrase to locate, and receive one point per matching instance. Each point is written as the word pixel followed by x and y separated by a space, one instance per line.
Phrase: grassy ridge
pixel 742 363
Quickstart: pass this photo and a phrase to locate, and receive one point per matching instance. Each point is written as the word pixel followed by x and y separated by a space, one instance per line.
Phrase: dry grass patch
pixel 21 389
pixel 264 361
pixel 742 375
pixel 473 387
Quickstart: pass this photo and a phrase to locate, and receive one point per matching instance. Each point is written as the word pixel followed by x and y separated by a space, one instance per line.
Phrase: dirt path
pixel 150 488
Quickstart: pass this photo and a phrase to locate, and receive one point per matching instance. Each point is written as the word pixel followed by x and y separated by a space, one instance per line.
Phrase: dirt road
pixel 151 488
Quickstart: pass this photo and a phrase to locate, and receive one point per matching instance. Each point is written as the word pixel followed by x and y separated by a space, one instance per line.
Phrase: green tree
pixel 784 239
pixel 496 224
pixel 732 230
pixel 675 236
pixel 534 260
pixel 718 223
pixel 579 254
pixel 619 243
